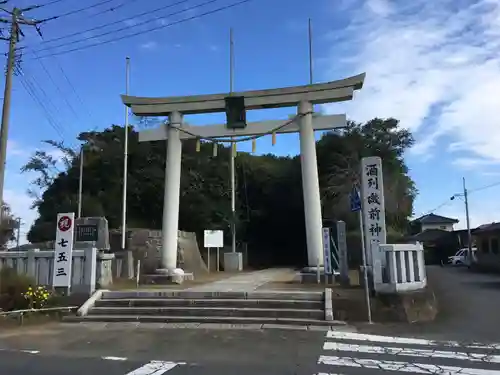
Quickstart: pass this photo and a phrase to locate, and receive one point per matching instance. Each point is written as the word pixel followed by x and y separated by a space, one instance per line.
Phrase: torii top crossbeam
pixel 335 91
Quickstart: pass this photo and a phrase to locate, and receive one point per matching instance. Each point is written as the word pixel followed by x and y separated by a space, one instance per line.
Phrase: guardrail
pixel 20 313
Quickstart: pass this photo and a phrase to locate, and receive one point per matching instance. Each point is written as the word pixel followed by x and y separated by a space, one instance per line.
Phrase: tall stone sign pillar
pixel 373 205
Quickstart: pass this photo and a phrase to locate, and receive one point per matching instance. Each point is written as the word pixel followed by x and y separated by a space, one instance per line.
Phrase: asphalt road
pixel 469 306
pixel 122 349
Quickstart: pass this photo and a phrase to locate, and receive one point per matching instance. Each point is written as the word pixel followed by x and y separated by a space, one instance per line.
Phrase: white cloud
pixel 149 45
pixel 472 163
pixel 434 65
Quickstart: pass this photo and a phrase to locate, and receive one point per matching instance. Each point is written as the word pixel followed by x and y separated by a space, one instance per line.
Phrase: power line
pixel 58 88
pixel 79 33
pixel 30 89
pixel 154 28
pixel 50 3
pixel 484 187
pixel 68 81
pixel 71 12
pixel 449 200
pixel 125 28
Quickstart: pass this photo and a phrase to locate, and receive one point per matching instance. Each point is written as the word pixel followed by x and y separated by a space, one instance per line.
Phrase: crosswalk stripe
pixel 412 352
pixel 340 335
pixel 422 368
pixel 153 368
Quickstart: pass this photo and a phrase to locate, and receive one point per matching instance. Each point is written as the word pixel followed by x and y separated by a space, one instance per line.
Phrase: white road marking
pixel 31 351
pixel 405 340
pixel 422 368
pixel 111 358
pixel 412 352
pixel 154 368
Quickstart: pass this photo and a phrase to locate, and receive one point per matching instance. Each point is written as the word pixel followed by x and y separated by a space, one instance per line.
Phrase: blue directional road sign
pixel 355 200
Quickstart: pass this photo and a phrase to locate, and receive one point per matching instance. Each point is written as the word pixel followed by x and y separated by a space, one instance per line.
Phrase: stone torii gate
pixel 304 97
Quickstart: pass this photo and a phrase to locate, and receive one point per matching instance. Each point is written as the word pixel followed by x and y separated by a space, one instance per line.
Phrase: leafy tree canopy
pixel 269 189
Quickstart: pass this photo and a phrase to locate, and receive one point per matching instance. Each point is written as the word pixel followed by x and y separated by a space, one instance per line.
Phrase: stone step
pixel 211 312
pixel 200 319
pixel 192 294
pixel 213 302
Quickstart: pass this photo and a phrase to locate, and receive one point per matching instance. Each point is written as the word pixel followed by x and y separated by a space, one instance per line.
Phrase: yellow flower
pixel 29 288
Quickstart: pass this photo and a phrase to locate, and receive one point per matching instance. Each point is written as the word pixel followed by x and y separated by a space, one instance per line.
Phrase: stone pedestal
pixel 164 277
pixel 233 262
pixel 309 275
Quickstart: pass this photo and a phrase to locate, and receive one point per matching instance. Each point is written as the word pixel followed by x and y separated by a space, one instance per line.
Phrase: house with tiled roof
pixel 487 239
pixel 433 222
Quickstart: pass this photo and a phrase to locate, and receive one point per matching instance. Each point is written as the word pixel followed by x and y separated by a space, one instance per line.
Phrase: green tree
pixel 270 216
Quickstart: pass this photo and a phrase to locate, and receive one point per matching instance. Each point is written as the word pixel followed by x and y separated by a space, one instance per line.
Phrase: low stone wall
pixel 145 245
pixel 411 307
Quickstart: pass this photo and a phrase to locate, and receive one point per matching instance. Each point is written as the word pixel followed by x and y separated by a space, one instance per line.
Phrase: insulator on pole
pixel 254 145
pixel 274 138
pixel 198 145
pixel 214 150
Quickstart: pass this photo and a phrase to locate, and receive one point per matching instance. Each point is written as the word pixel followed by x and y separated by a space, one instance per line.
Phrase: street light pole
pixel 467 218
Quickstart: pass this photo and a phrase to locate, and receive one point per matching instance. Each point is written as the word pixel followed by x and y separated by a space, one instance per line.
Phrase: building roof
pixel 487 228
pixel 429 235
pixel 435 219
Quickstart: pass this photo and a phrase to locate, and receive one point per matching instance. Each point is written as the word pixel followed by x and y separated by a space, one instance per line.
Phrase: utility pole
pixel 465 194
pixel 467 218
pixel 15 20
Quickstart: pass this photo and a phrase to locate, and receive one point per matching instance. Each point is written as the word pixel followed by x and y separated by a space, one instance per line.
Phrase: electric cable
pixel 151 29
pixel 110 24
pixel 71 12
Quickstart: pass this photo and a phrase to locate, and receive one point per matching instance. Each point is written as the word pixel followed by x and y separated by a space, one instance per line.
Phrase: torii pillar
pixel 302 96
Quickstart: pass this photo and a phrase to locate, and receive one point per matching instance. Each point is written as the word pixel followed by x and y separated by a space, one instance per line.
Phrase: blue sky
pixel 434 76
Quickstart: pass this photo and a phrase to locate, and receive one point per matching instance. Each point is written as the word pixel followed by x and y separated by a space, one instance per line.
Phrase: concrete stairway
pixel 263 307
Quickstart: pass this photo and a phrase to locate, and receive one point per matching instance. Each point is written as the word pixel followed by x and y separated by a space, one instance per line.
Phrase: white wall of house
pixel 442 226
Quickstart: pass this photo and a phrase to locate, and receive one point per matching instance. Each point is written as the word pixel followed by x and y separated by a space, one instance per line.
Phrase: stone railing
pixel 89 267
pixel 404 268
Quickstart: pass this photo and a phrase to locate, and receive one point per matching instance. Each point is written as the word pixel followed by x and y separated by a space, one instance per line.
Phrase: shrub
pixel 37 297
pixel 13 286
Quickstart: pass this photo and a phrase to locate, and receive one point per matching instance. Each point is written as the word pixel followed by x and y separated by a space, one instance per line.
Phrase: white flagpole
pixel 125 157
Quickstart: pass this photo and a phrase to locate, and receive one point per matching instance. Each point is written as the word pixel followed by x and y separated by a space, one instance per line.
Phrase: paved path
pixel 364 354
pixel 246 282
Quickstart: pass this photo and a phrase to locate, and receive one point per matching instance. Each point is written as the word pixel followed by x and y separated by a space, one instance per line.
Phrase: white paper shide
pixel 373 205
pixel 63 254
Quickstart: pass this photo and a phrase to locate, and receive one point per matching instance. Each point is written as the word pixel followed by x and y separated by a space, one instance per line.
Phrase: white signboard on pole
pixel 373 206
pixel 63 254
pixel 327 253
pixel 213 238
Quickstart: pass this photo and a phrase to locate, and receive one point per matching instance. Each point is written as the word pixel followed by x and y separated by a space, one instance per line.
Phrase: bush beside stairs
pixel 262 307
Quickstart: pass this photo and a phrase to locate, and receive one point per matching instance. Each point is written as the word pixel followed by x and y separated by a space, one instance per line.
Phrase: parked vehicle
pixel 460 258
